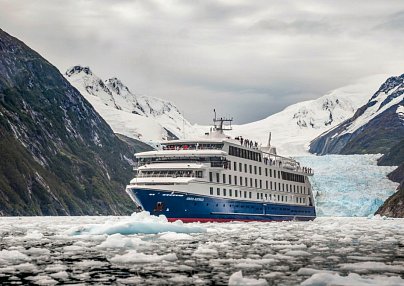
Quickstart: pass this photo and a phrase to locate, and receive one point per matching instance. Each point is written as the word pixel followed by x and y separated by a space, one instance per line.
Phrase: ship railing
pixel 170 175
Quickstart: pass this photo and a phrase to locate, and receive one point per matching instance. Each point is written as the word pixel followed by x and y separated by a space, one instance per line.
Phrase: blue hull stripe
pixel 191 207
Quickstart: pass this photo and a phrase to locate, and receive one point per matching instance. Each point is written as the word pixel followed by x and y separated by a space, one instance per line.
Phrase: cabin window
pixel 270 197
pixel 259 171
pixel 235 193
pixel 229 164
pixel 211 190
pixel 218 191
pixel 279 174
pixel 260 184
pixel 258 195
pixel 266 172
pixel 245 168
pixel 270 173
pixel 245 194
pixel 235 180
pixel 278 198
pixel 240 167
pixel 271 185
pixel 286 198
pixel 283 187
pixel 224 192
pixel 229 179
pixel 246 181
pixel 287 187
pixel 255 170
pixel 274 174
pixel 235 166
pixel 304 190
pixel 250 195
pixel 217 177
pixel 279 186
pixel 230 193
pixel 256 183
pixel 250 169
pixel 266 185
pixel 262 196
pixel 251 182
pixel 210 177
pixel 224 178
pixel 241 181
pixel 266 197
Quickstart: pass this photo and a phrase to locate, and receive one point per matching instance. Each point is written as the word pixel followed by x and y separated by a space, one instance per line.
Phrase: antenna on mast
pixel 269 139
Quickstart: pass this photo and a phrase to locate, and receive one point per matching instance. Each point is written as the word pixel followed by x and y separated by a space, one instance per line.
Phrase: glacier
pixel 348 185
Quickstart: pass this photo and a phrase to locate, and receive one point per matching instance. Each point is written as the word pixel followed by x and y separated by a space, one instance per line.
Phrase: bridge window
pixel 245 168
pixel 250 169
pixel 255 170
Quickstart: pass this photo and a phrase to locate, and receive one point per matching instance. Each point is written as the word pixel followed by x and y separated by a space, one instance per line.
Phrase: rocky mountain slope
pixel 136 116
pixel 375 127
pixel 394 206
pixel 294 127
pixel 58 156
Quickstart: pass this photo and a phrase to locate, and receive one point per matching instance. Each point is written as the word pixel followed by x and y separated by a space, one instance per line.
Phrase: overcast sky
pixel 248 59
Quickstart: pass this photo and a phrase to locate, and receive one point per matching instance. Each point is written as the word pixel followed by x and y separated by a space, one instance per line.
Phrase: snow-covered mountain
pixel 374 128
pixel 294 127
pixel 136 116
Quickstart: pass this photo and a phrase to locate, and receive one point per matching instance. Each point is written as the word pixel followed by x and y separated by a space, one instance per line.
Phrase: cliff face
pixel 394 206
pixel 58 156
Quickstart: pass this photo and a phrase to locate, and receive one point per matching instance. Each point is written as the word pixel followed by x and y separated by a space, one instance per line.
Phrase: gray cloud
pixel 247 59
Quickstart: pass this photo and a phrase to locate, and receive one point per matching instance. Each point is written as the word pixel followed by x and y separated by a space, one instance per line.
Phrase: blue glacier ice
pixel 348 185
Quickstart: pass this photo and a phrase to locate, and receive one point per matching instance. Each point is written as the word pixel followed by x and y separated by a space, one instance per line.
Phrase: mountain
pixel 394 206
pixel 375 127
pixel 58 156
pixel 136 116
pixel 294 127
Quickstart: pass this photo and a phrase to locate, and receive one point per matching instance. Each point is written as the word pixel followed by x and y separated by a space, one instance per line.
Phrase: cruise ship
pixel 218 179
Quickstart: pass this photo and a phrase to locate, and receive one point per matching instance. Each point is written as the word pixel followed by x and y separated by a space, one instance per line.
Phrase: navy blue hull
pixel 189 207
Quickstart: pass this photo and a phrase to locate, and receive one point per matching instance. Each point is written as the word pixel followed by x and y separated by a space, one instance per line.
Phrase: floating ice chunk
pixel 130 281
pixel 55 268
pixel 33 235
pixel 12 257
pixel 34 251
pixel 237 279
pixel 120 241
pixel 244 265
pixel 42 280
pixel 204 251
pixel 141 222
pixel 364 267
pixel 62 275
pixel 297 253
pixel 273 274
pixel 86 264
pixel 23 268
pixel 132 256
pixel 327 279
pixel 306 271
pixel 172 236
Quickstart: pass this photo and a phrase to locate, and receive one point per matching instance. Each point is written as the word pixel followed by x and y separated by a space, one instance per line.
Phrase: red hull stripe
pixel 213 220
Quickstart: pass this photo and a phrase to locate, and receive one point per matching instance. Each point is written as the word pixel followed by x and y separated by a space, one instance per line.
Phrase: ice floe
pixel 237 279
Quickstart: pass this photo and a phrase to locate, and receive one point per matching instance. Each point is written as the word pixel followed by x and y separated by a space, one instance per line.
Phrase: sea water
pixel 147 250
